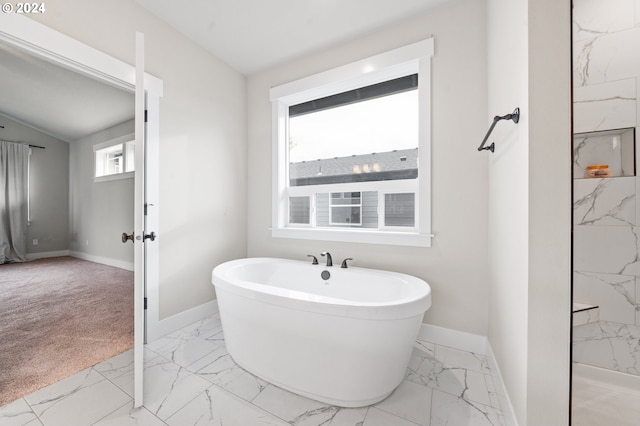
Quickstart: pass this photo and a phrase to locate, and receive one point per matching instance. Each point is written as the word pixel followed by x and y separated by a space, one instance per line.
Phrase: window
pixel 352 151
pixel 299 209
pixel 345 208
pixel 114 159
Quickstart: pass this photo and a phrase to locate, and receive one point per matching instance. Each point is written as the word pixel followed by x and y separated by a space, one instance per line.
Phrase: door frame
pixel 46 43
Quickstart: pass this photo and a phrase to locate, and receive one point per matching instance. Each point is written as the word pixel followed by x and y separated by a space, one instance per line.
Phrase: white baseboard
pixel 157 329
pixel 501 390
pixel 47 254
pixel 453 338
pixel 103 260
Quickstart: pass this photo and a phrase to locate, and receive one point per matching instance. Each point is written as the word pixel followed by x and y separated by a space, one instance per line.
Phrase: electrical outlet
pixel 35 241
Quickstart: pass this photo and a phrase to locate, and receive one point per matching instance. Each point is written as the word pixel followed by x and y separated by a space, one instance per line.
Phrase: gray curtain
pixel 14 175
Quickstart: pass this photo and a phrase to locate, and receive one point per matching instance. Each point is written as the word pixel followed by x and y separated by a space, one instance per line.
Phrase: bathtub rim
pixel 397 309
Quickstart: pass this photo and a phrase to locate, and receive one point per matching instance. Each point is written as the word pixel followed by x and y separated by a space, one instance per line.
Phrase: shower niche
pixel 609 153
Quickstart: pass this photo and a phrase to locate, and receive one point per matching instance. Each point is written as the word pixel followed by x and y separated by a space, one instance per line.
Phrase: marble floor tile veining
pixel 191 380
pixel 301 411
pixel 79 400
pixel 18 413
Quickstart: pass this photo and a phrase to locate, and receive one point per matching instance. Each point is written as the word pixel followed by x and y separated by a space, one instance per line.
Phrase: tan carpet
pixel 59 316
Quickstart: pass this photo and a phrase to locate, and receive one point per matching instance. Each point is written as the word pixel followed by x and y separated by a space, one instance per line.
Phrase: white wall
pixel 99 212
pixel 550 212
pixel 49 183
pixel 508 195
pixel 202 142
pixel 530 205
pixel 455 266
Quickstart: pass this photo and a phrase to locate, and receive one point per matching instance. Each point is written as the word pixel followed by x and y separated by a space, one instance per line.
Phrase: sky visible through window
pixel 377 125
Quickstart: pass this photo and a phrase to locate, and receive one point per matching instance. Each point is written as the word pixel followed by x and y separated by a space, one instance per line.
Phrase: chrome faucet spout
pixel 329 260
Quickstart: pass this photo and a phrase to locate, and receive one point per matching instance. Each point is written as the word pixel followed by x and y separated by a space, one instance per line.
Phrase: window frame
pixel 407 60
pixel 123 140
pixel 340 206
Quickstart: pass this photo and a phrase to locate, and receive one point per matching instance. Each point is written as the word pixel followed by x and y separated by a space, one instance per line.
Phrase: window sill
pixel 118 176
pixel 355 236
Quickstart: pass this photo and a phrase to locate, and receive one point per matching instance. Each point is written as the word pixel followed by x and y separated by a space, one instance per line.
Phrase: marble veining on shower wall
pixel 615 295
pixel 596 17
pixel 605 201
pixel 607 57
pixel 602 106
pixel 608 345
pixel 607 249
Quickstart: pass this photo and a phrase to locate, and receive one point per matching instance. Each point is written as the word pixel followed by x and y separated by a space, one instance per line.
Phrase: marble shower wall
pixel 606 64
pixel 606 212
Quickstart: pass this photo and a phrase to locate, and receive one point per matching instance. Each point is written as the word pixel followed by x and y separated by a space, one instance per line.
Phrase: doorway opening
pixel 40 41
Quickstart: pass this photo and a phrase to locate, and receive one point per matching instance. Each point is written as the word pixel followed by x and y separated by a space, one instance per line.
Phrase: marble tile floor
pixel 190 379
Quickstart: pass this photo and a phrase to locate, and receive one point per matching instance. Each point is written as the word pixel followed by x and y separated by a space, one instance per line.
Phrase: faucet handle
pixel 344 263
pixel 315 259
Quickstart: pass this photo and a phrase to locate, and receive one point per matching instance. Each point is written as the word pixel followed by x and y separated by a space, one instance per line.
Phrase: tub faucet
pixel 344 263
pixel 329 260
pixel 315 259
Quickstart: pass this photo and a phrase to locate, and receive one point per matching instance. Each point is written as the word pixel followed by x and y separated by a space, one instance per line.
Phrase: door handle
pixel 151 236
pixel 126 237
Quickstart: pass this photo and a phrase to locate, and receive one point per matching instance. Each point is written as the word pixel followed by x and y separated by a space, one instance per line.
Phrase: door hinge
pixel 145 115
pixel 145 209
pixel 145 303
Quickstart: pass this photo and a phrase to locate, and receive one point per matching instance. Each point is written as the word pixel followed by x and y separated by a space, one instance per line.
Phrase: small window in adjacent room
pixel 109 161
pixel 114 159
pixel 353 151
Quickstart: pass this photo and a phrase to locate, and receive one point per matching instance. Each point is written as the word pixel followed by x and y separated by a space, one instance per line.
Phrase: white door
pixel 140 237
pixel 146 179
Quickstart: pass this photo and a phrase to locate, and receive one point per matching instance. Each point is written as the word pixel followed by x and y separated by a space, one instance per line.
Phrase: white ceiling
pixel 252 35
pixel 57 101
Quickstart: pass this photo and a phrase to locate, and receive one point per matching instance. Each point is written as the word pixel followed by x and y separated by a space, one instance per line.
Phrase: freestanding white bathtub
pixel 345 340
